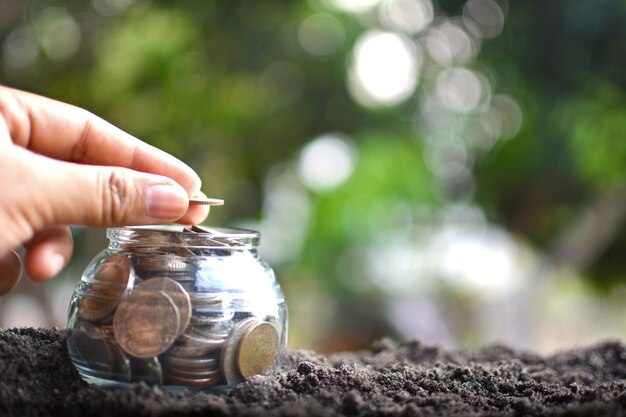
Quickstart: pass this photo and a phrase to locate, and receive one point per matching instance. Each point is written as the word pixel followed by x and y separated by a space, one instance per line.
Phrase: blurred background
pixel 453 171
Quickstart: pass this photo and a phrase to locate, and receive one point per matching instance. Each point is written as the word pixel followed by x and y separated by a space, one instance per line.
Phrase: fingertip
pixel 44 264
pixel 195 215
pixel 166 201
pixel 48 253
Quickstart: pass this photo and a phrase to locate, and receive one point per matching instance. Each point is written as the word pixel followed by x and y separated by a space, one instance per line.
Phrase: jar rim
pixel 179 235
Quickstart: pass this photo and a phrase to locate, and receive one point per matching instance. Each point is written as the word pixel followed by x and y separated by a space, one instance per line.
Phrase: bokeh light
pixel 449 44
pixel 111 7
pixel 58 32
pixel 384 69
pixel 321 34
pixel 461 89
pixel 327 162
pixel 485 18
pixel 354 6
pixel 20 48
pixel 410 16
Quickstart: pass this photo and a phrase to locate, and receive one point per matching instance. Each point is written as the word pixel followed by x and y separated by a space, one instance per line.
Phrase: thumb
pixel 104 196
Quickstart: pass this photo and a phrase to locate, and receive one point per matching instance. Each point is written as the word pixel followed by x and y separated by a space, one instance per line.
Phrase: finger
pixel 65 193
pixel 5 137
pixel 196 214
pixel 68 133
pixel 10 271
pixel 48 252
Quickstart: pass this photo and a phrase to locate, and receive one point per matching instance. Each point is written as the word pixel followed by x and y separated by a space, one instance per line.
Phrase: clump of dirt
pixel 408 379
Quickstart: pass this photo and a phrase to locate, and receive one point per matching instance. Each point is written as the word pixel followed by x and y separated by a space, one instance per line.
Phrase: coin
pixel 191 346
pixel 176 380
pixel 111 280
pixel 162 262
pixel 219 330
pixel 146 323
pixel 206 201
pixel 203 374
pixel 191 364
pixel 202 318
pixel 228 358
pixel 257 349
pixel 177 294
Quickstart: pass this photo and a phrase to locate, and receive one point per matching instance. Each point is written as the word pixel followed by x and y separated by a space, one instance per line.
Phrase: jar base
pixel 112 384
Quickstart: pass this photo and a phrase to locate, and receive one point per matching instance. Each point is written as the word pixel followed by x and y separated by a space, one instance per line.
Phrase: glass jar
pixel 177 307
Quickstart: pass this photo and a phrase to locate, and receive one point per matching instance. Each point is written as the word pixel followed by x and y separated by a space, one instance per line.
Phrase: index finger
pixel 69 133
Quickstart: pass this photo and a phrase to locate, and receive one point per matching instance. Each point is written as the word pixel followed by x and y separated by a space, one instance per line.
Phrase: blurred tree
pixel 234 90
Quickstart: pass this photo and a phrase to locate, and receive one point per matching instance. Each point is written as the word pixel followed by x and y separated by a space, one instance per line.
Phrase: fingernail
pixel 57 261
pixel 166 202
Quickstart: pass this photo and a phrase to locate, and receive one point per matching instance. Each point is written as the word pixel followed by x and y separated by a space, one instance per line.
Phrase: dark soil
pixel 410 379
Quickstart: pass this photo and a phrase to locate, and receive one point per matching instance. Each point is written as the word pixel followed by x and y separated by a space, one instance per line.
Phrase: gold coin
pixel 146 323
pixel 111 280
pixel 176 293
pixel 257 349
pixel 228 361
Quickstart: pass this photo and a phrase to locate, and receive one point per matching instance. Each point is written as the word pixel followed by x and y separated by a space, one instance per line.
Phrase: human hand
pixel 62 165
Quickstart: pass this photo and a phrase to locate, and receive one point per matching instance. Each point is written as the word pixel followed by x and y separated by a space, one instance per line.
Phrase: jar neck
pixel 131 237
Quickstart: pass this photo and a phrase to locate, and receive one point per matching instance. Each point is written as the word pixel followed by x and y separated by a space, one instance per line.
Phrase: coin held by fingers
pixel 203 201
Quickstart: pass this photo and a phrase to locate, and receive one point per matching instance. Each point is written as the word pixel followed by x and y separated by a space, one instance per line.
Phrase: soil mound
pixel 408 379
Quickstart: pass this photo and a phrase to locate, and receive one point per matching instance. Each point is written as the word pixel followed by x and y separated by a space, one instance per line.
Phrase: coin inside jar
pixel 251 350
pixel 111 280
pixel 257 349
pixel 176 293
pixel 146 323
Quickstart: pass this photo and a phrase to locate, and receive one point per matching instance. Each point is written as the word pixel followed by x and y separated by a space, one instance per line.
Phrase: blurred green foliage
pixel 227 88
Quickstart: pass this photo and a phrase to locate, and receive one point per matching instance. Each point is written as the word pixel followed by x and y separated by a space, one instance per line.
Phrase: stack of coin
pixel 194 358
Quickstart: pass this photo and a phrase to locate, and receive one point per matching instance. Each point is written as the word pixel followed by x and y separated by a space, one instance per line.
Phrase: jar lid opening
pixel 185 236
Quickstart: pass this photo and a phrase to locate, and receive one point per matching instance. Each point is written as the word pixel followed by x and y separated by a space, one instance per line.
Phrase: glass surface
pixel 177 307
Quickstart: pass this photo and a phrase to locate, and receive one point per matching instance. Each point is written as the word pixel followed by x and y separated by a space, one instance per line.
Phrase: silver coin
pixel 200 299
pixel 211 317
pixel 163 262
pixel 176 380
pixel 191 364
pixel 211 373
pixel 189 346
pixel 216 330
